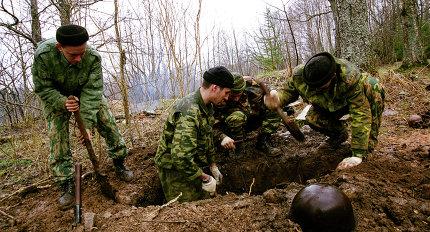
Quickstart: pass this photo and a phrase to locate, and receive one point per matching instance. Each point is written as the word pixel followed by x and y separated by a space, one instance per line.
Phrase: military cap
pixel 319 69
pixel 72 35
pixel 238 84
pixel 322 207
pixel 220 76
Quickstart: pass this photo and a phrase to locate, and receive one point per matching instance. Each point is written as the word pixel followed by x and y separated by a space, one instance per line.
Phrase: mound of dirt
pixel 389 191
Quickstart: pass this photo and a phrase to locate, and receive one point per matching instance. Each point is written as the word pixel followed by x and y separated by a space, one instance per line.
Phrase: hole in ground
pixel 297 162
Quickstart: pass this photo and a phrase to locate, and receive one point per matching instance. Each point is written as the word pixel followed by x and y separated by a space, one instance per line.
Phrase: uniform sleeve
pixel 184 145
pixel 361 115
pixel 91 95
pixel 45 88
pixel 288 93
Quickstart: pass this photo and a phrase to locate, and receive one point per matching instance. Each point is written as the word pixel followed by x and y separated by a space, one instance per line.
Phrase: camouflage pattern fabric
pixel 186 145
pixel 60 158
pixel 247 114
pixel 54 80
pixel 353 92
pixel 174 183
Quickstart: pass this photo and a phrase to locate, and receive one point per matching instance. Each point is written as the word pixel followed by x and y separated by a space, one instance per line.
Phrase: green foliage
pixel 425 38
pixel 398 46
pixel 7 164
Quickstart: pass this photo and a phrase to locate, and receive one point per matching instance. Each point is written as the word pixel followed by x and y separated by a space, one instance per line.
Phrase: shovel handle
pixel 87 141
pixel 290 124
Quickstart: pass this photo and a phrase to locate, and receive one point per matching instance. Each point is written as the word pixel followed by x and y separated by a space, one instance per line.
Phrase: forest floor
pixel 389 191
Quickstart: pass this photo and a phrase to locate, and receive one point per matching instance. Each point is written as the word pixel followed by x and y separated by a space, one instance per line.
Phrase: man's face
pixel 73 54
pixel 234 97
pixel 327 85
pixel 221 96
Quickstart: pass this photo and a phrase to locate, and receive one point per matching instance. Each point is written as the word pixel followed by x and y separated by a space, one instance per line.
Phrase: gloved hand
pixel 216 174
pixel 349 163
pixel 228 143
pixel 209 185
pixel 271 100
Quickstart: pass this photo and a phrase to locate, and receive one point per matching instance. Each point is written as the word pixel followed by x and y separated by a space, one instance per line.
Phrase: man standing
pixel 186 145
pixel 245 112
pixel 65 66
pixel 335 87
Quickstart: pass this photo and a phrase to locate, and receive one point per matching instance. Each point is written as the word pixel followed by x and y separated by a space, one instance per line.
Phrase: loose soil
pixel 390 190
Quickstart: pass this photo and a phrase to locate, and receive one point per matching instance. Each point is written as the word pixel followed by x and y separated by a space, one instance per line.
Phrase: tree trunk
pixel 123 82
pixel 352 32
pixel 412 45
pixel 35 22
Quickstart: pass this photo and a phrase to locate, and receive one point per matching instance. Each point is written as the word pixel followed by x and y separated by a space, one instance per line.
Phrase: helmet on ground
pixel 319 69
pixel 324 208
pixel 239 84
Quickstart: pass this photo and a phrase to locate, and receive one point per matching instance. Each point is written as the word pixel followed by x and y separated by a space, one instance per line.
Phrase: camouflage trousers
pixel 328 123
pixel 237 123
pixel 174 183
pixel 60 158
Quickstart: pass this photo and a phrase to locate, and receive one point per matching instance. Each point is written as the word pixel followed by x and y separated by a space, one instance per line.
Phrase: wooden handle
pixel 87 141
pixel 289 124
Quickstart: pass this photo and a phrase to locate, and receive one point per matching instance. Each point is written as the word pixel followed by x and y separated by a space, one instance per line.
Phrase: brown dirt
pixel 390 191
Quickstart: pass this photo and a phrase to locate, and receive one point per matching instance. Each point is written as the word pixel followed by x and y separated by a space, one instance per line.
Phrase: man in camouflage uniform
pixel 186 145
pixel 244 112
pixel 335 87
pixel 65 66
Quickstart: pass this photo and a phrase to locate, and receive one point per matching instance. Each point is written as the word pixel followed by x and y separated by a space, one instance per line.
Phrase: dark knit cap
pixel 319 69
pixel 72 35
pixel 219 76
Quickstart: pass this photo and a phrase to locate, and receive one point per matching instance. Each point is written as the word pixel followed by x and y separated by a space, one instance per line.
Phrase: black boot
pixel 335 141
pixel 68 197
pixel 122 171
pixel 264 145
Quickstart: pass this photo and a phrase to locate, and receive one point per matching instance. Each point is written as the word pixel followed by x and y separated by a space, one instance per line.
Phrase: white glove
pixel 349 163
pixel 271 100
pixel 216 174
pixel 228 143
pixel 210 185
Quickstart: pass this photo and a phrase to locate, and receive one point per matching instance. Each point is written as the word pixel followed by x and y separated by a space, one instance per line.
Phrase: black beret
pixel 219 76
pixel 72 35
pixel 319 69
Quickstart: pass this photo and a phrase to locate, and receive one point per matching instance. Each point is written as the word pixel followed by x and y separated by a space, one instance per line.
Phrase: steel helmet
pixel 323 208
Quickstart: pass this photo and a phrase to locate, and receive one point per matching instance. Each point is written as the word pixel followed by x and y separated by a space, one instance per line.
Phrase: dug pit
pixel 251 171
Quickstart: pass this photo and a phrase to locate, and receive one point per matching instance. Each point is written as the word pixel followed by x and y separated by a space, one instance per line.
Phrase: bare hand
pixel 81 137
pixel 72 104
pixel 271 100
pixel 228 143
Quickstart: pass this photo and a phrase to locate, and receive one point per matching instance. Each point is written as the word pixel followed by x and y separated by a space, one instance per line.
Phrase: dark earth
pixel 389 191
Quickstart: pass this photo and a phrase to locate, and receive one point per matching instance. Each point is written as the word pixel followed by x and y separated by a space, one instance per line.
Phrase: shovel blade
pixel 106 188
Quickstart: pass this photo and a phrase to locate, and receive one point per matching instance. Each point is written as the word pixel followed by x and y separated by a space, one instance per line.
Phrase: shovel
pixel 289 124
pixel 106 187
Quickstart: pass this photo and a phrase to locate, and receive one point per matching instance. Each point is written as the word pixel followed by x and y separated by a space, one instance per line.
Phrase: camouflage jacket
pixel 348 91
pixel 250 103
pixel 186 144
pixel 55 79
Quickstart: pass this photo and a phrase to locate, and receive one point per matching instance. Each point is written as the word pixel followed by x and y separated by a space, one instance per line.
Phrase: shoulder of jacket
pixel 93 52
pixel 45 46
pixel 349 73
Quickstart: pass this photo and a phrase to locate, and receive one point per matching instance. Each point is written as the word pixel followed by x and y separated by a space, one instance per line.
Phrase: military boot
pixel 122 172
pixel 67 198
pixel 263 144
